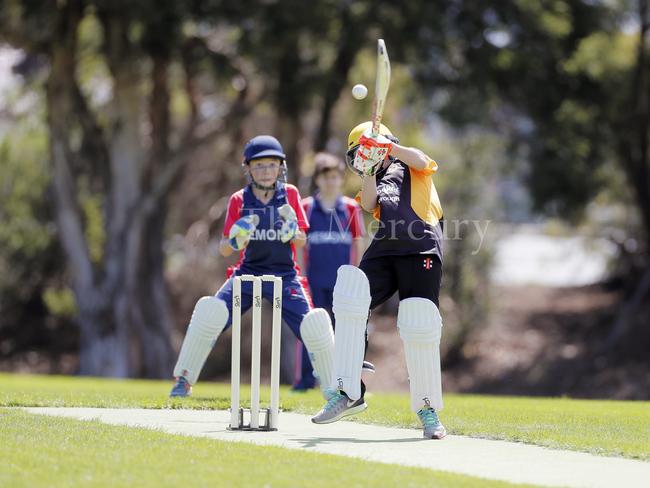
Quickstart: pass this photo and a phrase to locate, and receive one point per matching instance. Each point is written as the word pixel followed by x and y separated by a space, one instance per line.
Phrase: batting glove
pixel 372 152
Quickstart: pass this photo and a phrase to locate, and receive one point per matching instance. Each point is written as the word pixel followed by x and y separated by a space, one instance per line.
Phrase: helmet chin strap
pixel 266 189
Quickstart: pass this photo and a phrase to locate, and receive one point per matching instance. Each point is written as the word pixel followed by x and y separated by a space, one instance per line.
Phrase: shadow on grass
pixel 316 441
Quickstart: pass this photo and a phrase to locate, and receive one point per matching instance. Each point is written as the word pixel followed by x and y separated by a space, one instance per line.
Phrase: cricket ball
pixel 359 91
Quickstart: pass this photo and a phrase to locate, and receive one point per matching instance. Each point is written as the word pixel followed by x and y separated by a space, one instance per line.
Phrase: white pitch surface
pixel 499 460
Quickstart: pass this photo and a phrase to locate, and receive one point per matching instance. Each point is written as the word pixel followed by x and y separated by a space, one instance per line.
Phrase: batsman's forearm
pixel 225 249
pixel 369 193
pixel 411 156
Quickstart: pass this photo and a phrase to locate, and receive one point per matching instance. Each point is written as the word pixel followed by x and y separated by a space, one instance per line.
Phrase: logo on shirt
pixel 295 293
pixel 388 192
pixel 268 217
pixel 265 235
pixel 327 237
pixel 428 263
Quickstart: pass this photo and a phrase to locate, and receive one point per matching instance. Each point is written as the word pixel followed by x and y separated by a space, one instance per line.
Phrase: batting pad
pixel 318 337
pixel 351 303
pixel 208 320
pixel 420 327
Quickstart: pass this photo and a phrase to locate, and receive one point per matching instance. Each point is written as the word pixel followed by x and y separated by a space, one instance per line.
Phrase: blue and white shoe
pixel 433 429
pixel 338 406
pixel 182 388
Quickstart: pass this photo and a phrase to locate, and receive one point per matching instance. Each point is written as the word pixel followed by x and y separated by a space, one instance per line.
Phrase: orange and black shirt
pixel 408 216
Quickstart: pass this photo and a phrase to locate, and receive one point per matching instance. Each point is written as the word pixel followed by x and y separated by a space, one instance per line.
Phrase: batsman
pixel 405 256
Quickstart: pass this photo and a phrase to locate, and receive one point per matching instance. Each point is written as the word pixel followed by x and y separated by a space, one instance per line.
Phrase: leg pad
pixel 208 320
pixel 420 327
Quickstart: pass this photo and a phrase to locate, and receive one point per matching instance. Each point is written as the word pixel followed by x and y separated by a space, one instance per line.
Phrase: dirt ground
pixel 537 341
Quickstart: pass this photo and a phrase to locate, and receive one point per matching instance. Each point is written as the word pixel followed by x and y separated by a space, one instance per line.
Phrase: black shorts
pixel 413 275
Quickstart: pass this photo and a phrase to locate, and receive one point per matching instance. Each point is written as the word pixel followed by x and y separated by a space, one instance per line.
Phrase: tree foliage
pixel 569 79
pixel 135 90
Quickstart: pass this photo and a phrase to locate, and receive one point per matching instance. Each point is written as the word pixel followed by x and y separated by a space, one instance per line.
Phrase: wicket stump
pixel 271 413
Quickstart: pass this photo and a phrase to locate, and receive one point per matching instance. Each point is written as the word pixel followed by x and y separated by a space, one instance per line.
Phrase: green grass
pixel 601 427
pixel 51 451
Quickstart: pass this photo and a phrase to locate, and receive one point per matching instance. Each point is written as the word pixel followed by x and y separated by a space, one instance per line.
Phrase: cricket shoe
pixel 433 429
pixel 338 406
pixel 182 388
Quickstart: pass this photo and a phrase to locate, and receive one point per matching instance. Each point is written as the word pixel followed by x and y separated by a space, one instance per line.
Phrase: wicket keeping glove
pixel 372 152
pixel 289 225
pixel 242 230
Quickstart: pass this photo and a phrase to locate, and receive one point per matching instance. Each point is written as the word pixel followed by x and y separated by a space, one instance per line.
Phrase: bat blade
pixel 382 83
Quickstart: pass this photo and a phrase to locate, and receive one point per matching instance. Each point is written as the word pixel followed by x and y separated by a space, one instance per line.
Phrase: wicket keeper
pixel 265 223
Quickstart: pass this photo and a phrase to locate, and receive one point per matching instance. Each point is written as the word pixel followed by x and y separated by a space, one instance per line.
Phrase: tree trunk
pixel 637 117
pixel 103 349
pixel 290 133
pixel 152 315
pixel 150 309
pixel 627 315
pixel 102 343
pixel 633 147
pixel 350 42
pixel 124 316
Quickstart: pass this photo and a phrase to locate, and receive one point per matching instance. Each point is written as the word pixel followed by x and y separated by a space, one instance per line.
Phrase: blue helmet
pixel 263 147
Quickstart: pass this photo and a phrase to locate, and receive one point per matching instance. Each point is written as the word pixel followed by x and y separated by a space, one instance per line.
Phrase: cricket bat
pixel 382 83
pixel 369 157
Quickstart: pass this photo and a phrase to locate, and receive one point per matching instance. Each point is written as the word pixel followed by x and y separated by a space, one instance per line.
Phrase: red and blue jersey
pixel 266 253
pixel 329 239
